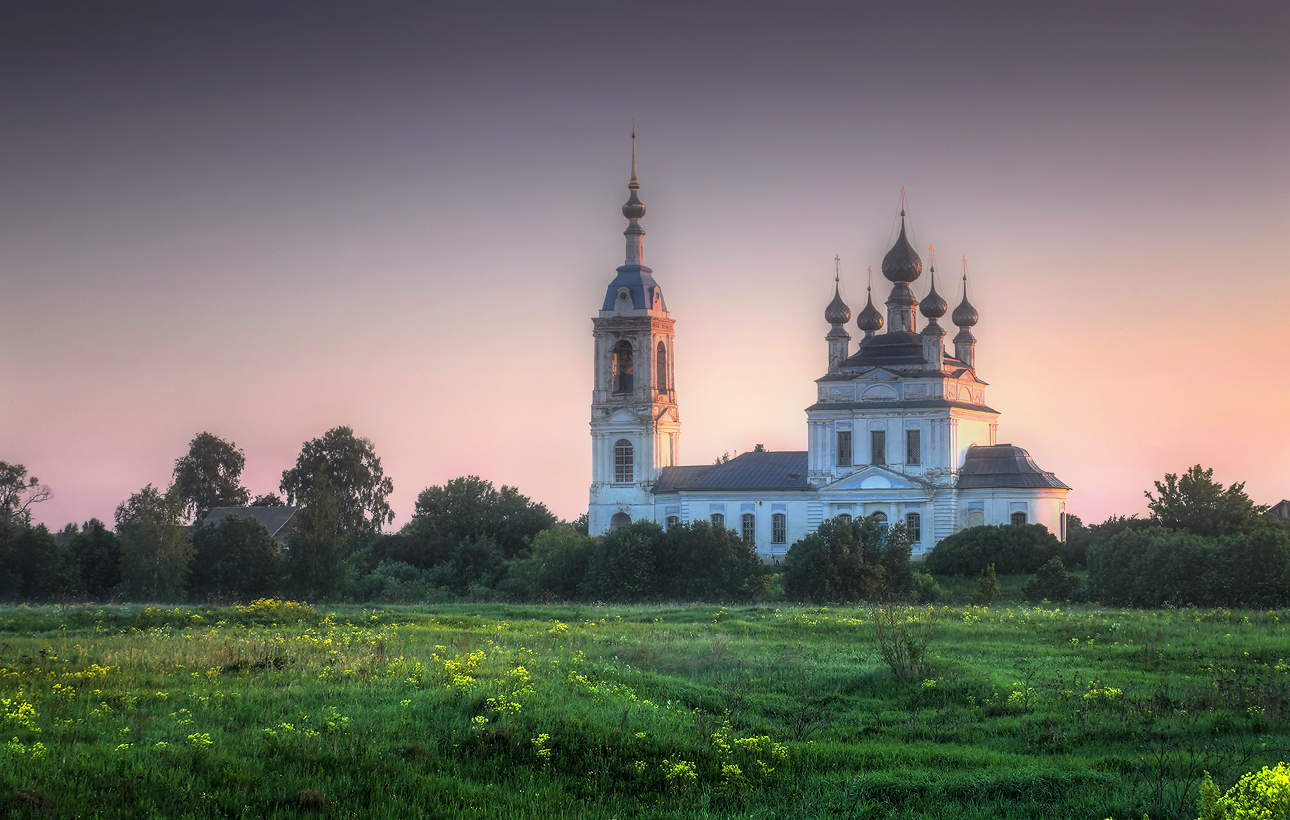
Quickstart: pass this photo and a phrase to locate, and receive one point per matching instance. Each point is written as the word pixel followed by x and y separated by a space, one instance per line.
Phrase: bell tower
pixel 635 426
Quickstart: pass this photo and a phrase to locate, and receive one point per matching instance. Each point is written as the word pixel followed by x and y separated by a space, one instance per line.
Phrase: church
pixel 900 429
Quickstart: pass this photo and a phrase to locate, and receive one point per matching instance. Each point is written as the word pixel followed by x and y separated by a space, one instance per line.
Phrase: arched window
pixel 624 461
pixel 660 368
pixel 976 517
pixel 1018 518
pixel 914 526
pixel 748 528
pixel 622 367
pixel 620 519
pixel 672 521
pixel 778 528
pixel 718 519
pixel 881 518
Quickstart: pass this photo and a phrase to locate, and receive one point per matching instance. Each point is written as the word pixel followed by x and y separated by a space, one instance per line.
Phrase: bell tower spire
pixel 634 209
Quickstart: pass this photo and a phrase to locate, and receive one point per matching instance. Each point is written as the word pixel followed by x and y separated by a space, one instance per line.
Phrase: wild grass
pixel 666 711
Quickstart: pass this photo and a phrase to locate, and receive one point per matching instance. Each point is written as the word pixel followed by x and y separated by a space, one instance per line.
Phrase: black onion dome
pixel 965 314
pixel 870 320
pixel 902 263
pixel 837 313
pixel 934 305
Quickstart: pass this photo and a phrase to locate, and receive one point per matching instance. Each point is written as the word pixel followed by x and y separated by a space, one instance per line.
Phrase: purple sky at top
pixel 264 220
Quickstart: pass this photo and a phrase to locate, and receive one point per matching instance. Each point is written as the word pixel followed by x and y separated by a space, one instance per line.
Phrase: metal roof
pixel 1004 466
pixel 272 519
pixel 782 470
pixel 897 404
pixel 639 281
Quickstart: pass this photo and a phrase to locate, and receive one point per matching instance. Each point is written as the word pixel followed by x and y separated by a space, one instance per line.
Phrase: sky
pixel 266 220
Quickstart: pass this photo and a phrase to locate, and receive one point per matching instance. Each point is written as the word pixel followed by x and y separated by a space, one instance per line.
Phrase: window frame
pixel 748 528
pixel 779 528
pixel 844 447
pixel 622 367
pixel 718 519
pixel 624 461
pixel 1012 518
pixel 670 522
pixel 878 454
pixel 914 527
pixel 660 366
pixel 914 447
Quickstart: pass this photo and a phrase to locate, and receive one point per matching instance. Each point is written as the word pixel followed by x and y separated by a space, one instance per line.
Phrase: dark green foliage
pixel 476 562
pixel 848 561
pixel 210 475
pixel 556 565
pixel 268 500
pixel 96 553
pixel 398 582
pixel 1010 547
pixel 155 550
pixel 235 560
pixel 354 477
pixel 924 589
pixel 1156 567
pixel 1198 504
pixel 987 588
pixel 31 565
pixel 1053 583
pixel 702 562
pixel 470 507
pixel 18 492
pixel 1074 550
pixel 624 564
pixel 315 546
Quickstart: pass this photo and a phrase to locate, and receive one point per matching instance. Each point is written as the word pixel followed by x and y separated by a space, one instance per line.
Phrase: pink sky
pixel 282 247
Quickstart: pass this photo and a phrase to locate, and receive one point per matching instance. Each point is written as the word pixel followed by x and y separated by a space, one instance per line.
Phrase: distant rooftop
pixel 1004 466
pixel 780 470
pixel 272 519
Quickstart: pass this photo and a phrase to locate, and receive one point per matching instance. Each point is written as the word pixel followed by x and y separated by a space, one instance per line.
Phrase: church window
pixel 672 521
pixel 660 368
pixel 844 448
pixel 881 519
pixel 778 528
pixel 624 461
pixel 1018 518
pixel 845 518
pixel 976 517
pixel 622 367
pixel 718 519
pixel 914 526
pixel 620 519
pixel 877 447
pixel 913 447
pixel 748 528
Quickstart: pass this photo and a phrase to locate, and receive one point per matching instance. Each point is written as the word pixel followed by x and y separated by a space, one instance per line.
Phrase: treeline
pixel 1202 544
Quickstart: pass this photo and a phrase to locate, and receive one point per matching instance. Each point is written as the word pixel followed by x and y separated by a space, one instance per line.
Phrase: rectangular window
pixel 878 446
pixel 778 528
pixel 844 448
pixel 672 521
pixel 913 447
pixel 718 519
pixel 914 525
pixel 1018 518
pixel 748 528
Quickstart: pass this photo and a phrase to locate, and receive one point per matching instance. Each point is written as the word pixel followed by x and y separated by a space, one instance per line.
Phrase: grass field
pixel 670 711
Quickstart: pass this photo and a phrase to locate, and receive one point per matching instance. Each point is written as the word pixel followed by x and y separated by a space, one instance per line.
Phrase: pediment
pixel 875 477
pixel 879 374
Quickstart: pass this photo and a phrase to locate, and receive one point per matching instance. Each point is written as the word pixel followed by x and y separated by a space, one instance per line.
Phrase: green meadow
pixel 284 710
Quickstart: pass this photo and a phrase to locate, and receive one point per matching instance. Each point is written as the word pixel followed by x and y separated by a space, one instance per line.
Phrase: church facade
pixel 900 430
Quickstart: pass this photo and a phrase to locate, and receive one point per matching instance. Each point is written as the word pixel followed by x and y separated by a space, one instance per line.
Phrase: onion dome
pixel 902 263
pixel 934 305
pixel 870 320
pixel 633 208
pixel 965 315
pixel 837 313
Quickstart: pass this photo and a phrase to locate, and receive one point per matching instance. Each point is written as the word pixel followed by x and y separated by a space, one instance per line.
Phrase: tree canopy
pixel 155 551
pixel 470 507
pixel 18 493
pixel 354 477
pixel 1194 502
pixel 210 475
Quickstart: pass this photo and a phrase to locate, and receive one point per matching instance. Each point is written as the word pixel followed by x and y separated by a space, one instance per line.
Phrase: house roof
pixel 1004 466
pixel 1281 510
pixel 781 470
pixel 272 519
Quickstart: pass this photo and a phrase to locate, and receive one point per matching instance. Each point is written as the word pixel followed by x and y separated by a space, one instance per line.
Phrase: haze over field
pixel 265 222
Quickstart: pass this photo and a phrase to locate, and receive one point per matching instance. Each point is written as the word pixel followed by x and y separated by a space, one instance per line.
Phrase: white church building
pixel 900 429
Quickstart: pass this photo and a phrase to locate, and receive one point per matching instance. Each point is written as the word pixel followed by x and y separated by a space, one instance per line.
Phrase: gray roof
pixel 1280 510
pixel 272 519
pixel 639 281
pixel 1004 466
pixel 782 470
pixel 911 404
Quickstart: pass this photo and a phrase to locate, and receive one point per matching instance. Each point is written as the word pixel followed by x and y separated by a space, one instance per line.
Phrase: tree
pixel 96 552
pixel 848 561
pixel 556 565
pixel 354 477
pixel 1198 504
pixel 467 508
pixel 31 567
pixel 759 448
pixel 1053 583
pixel 210 476
pixel 987 587
pixel 702 562
pixel 155 550
pixel 268 500
pixel 314 547
pixel 236 558
pixel 1009 547
pixel 18 493
pixel 624 564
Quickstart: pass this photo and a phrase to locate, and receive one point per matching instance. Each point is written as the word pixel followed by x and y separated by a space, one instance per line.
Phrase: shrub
pixel 988 587
pixel 1153 567
pixel 237 559
pixel 1261 794
pixel 702 562
pixel 624 564
pixel 557 566
pixel 848 561
pixel 1010 547
pixel 1053 583
pixel 923 589
pixel 903 636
